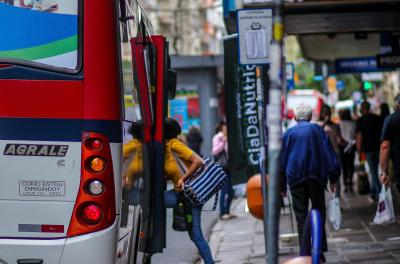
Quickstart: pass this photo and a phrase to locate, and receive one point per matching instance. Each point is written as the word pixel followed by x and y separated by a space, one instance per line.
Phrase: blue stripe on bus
pixel 26 73
pixel 41 129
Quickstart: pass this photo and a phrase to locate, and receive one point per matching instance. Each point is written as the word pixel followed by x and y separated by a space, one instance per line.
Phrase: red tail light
pixel 94 210
pixel 91 214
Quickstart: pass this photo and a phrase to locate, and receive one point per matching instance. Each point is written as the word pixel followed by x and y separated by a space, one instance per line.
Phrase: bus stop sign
pixel 255 35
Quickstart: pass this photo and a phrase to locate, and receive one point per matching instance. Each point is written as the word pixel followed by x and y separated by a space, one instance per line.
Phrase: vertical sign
pixel 255 35
pixel 179 110
pixel 289 76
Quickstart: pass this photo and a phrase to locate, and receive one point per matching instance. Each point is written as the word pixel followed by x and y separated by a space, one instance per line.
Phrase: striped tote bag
pixel 203 184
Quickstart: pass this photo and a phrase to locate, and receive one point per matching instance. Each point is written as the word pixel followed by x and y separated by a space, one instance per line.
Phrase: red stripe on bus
pixel 159 42
pixel 52 229
pixel 41 99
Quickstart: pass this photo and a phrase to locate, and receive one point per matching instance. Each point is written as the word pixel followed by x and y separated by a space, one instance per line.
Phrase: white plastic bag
pixel 384 212
pixel 335 216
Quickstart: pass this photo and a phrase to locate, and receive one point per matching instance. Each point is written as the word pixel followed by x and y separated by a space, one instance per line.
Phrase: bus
pixel 308 96
pixel 80 82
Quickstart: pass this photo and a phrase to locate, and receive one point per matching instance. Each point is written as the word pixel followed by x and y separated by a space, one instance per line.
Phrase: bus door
pixel 144 68
pixel 149 64
pixel 137 120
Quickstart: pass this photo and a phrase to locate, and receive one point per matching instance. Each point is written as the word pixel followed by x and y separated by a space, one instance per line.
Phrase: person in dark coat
pixel 390 146
pixel 308 161
pixel 368 133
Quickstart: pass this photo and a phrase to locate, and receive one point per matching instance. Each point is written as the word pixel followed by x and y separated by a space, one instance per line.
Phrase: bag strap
pixel 215 203
pixel 181 165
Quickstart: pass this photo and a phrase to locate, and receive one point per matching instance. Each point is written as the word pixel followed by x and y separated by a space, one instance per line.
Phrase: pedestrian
pixel 133 155
pixel 308 161
pixel 385 111
pixel 348 131
pixel 193 162
pixel 368 132
pixel 390 146
pixel 333 131
pixel 194 139
pixel 220 153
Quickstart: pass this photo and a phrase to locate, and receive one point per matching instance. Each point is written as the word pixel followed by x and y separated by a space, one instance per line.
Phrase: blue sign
pixel 340 85
pixel 289 76
pixel 356 65
pixel 178 109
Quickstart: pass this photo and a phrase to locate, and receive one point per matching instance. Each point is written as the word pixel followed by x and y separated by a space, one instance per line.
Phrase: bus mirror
pixel 171 82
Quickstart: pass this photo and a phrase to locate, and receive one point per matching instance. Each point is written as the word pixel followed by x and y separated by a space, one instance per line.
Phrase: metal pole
pixel 261 126
pixel 274 132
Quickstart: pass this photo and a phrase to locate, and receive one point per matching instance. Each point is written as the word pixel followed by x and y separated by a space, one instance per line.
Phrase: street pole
pixel 261 126
pixel 274 132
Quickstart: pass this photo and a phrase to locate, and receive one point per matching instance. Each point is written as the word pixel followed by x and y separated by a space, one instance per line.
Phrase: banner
pixel 242 113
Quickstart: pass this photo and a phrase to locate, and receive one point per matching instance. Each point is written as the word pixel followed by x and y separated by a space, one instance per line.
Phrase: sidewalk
pixel 241 240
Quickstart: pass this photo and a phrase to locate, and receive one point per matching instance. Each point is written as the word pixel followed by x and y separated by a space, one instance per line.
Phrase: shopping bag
pixel 182 219
pixel 384 212
pixel 334 213
pixel 362 181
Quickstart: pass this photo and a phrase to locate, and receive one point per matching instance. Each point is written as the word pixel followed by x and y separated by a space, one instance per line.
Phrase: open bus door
pixel 156 84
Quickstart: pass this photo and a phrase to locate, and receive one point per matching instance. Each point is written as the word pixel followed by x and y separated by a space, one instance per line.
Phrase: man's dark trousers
pixel 301 194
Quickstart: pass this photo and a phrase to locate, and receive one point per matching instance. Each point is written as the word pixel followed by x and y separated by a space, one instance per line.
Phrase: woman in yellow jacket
pixel 132 156
pixel 192 162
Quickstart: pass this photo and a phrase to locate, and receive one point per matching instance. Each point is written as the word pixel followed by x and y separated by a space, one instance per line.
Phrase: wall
pixel 203 72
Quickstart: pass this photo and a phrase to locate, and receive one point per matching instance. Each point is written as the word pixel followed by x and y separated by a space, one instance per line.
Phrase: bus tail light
pixel 95 204
pixel 91 214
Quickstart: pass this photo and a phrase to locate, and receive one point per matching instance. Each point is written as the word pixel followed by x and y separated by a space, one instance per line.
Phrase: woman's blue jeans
pixel 196 234
pixel 226 196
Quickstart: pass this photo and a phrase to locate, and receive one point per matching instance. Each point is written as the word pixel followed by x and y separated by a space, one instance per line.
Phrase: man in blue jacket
pixel 308 161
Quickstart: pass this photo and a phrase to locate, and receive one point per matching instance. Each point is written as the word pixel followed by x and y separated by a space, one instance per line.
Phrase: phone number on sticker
pixel 42 188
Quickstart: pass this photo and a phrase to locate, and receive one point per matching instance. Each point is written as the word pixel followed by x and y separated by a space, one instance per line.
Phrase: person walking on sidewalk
pixel 333 131
pixel 194 139
pixel 220 153
pixel 368 132
pixel 308 160
pixel 348 130
pixel 390 146
pixel 193 162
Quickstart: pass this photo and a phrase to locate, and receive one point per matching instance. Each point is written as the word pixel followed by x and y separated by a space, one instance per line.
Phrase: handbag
pixel 222 159
pixel 182 216
pixel 204 183
pixel 362 181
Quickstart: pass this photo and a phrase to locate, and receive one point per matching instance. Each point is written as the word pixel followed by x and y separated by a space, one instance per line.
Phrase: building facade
pixel 192 27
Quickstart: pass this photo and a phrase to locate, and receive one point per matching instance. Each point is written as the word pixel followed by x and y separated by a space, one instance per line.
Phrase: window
pixel 40 32
pixel 128 29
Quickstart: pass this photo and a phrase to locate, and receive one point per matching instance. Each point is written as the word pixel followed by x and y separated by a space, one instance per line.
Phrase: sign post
pixel 255 36
pixel 275 132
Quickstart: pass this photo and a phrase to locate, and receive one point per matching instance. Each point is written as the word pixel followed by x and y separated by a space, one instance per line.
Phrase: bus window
pixel 40 33
pixel 128 28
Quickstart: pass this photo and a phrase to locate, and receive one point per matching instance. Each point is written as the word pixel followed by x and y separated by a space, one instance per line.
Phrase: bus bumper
pixel 99 247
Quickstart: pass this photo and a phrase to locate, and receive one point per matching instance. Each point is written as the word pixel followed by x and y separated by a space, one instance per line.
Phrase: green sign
pixel 368 86
pixel 242 114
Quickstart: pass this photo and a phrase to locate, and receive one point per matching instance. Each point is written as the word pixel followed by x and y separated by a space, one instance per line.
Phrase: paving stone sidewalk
pixel 241 240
